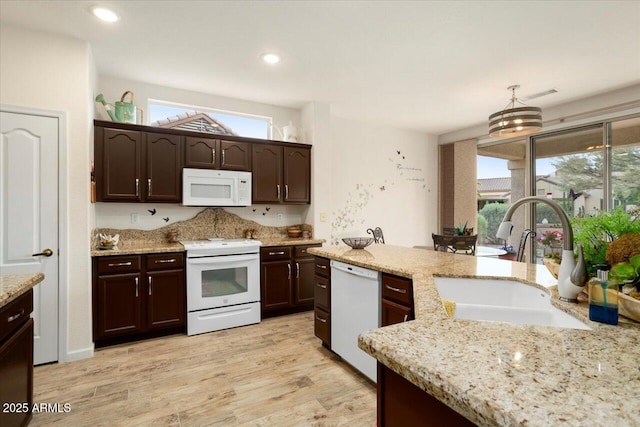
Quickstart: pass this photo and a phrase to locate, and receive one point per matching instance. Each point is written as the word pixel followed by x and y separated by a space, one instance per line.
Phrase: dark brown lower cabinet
pixel 135 296
pixel 322 300
pixel 393 313
pixel 16 362
pixel 286 279
pixel 397 300
pixel 402 403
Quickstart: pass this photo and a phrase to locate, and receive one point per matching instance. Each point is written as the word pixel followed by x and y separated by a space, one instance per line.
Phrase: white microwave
pixel 208 187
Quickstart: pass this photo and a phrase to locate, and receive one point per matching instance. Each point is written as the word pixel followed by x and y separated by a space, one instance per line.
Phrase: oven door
pixel 220 281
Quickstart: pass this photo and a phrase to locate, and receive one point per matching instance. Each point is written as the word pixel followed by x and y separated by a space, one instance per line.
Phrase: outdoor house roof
pixel 194 121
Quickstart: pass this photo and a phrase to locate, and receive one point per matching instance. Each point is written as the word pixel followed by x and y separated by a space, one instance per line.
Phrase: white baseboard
pixel 72 356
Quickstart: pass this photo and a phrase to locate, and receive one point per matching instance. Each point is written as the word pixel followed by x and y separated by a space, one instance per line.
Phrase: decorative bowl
pixel 294 231
pixel 629 307
pixel 552 265
pixel 358 242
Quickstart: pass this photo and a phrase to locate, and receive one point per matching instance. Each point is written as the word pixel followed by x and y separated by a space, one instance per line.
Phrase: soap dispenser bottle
pixel 603 298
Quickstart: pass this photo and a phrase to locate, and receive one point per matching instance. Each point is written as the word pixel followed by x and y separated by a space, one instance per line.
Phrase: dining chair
pixel 455 244
pixel 378 237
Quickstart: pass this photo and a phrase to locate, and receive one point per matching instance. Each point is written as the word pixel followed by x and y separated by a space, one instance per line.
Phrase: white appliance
pixel 355 308
pixel 223 284
pixel 208 187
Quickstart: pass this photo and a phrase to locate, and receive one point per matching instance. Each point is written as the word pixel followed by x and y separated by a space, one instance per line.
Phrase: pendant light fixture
pixel 515 120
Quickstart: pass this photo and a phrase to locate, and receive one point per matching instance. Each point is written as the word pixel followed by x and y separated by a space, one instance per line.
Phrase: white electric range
pixel 223 284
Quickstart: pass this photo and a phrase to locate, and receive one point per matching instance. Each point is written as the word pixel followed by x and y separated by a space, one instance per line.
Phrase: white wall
pixel 113 88
pixel 52 72
pixel 385 177
pixel 118 215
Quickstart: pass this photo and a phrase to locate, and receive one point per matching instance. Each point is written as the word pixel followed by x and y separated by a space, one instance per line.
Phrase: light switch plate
pixel 135 218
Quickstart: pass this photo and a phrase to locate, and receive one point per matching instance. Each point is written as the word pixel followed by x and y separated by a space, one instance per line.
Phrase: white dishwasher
pixel 355 307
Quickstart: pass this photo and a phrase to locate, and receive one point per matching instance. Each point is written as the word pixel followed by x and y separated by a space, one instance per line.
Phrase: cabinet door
pixel 16 372
pixel 165 299
pixel 235 155
pixel 118 160
pixel 305 283
pixel 275 286
pixel 164 168
pixel 297 175
pixel 393 313
pixel 201 153
pixel 267 173
pixel 119 305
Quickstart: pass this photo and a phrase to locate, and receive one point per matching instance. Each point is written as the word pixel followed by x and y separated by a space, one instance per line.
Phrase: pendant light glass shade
pixel 515 121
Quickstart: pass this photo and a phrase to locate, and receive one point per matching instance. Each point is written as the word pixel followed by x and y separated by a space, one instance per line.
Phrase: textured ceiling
pixel 431 66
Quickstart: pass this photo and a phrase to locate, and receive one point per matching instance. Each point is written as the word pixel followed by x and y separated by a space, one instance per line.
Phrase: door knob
pixel 47 252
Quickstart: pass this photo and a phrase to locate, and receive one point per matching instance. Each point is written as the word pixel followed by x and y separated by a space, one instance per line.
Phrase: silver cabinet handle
pixel 164 261
pixel 223 150
pixel 150 283
pixel 149 186
pixel 398 290
pixel 137 287
pixel 321 319
pixel 289 267
pixel 278 188
pixel 321 286
pixel 15 316
pixel 120 264
pixel 406 316
pixel 276 253
pixel 297 270
pixel 286 191
pixel 137 187
pixel 324 267
pixel 213 155
pixel 47 252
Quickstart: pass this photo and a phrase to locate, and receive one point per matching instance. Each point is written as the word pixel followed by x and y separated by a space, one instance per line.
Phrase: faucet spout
pixel 572 276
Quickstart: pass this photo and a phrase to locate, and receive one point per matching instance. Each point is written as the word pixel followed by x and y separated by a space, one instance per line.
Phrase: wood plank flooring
pixel 275 373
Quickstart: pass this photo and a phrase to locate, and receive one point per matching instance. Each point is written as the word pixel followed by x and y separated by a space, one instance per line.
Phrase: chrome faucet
pixel 572 276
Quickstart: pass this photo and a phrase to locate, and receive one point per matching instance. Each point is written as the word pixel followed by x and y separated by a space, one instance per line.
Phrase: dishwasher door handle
pixel 354 272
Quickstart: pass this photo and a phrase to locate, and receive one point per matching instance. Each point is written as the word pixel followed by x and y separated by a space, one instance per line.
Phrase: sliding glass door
pixel 584 170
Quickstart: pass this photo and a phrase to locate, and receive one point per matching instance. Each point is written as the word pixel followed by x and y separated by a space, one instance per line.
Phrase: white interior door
pixel 29 216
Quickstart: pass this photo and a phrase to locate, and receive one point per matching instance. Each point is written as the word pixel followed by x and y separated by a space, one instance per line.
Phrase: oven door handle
pixel 223 259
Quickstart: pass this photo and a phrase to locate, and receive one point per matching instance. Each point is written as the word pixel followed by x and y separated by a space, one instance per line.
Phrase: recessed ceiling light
pixel 105 14
pixel 271 58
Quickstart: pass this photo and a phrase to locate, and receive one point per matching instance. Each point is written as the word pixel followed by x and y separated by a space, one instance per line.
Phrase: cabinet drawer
pixel 322 290
pixel 301 251
pixel 322 267
pixel 276 253
pixel 397 289
pixel 322 326
pixel 165 261
pixel 118 264
pixel 15 314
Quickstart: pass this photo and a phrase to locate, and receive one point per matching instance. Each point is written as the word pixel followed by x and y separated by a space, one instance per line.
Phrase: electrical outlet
pixel 135 218
pixel 280 218
pixel 323 217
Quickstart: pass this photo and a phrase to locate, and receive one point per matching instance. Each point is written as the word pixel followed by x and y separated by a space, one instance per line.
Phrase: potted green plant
pixel 462 230
pixel 596 232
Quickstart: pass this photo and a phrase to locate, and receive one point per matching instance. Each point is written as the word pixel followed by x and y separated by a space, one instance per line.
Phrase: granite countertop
pixel 498 374
pixel 12 286
pixel 133 247
pixel 289 241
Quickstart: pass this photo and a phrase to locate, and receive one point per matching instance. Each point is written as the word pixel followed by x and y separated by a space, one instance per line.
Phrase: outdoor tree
pixel 583 172
pixel 493 214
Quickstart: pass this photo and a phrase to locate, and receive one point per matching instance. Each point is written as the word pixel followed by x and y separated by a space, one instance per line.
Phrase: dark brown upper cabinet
pixel 209 153
pixel 281 174
pixel 267 173
pixel 118 165
pixel 132 166
pixel 164 172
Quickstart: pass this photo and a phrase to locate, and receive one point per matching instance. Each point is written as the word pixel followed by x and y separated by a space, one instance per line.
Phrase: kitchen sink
pixel 503 301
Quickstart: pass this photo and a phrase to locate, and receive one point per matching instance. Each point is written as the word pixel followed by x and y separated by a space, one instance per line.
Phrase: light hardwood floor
pixel 275 373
